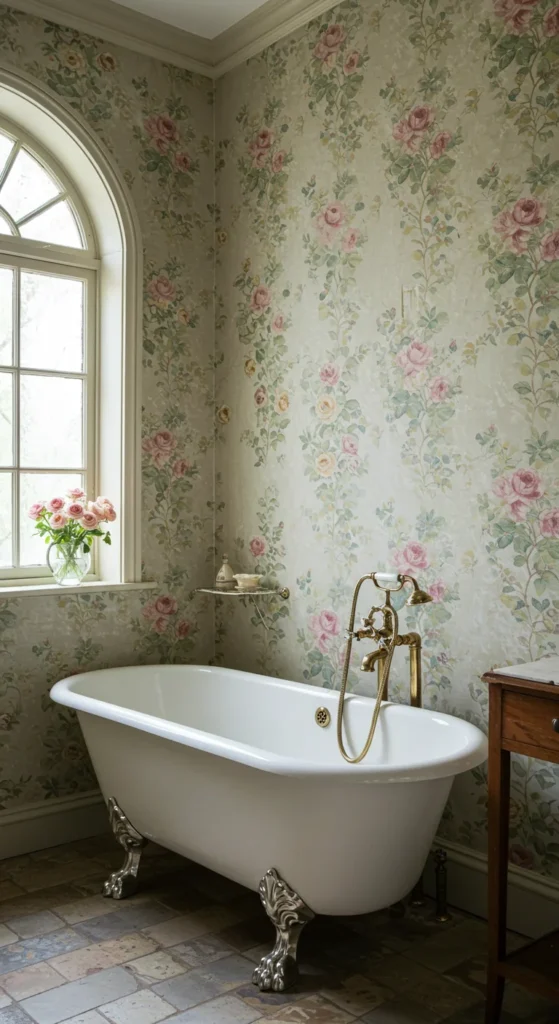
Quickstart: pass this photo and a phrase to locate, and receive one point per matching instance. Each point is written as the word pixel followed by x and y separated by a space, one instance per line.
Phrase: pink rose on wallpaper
pixel 351 62
pixel 260 396
pixel 329 222
pixel 330 374
pixel 439 144
pixel 183 629
pixel 402 132
pixel 414 358
pixel 411 558
pixel 182 162
pixel 260 299
pixel 260 147
pixel 549 523
pixel 527 484
pixel 161 290
pixel 516 14
pixel 410 129
pixel 257 546
pixel 528 212
pixel 437 591
pixel 521 856
pixel 278 323
pixel 161 127
pixel 515 236
pixel 351 240
pixel 549 248
pixel 329 42
pixel 502 488
pixel 161 446
pixel 278 161
pixel 325 626
pixel 350 445
pixel 165 605
pixel 518 510
pixel 421 118
pixel 181 467
pixel 551 22
pixel 159 624
pixel 439 389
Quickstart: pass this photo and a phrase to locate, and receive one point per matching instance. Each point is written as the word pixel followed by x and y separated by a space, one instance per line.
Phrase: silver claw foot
pixel 287 911
pixel 123 883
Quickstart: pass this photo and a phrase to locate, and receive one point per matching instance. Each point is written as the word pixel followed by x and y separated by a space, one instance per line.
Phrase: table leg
pixel 498 842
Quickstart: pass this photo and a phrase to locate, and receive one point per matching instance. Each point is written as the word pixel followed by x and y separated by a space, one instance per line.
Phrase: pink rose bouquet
pixel 71 522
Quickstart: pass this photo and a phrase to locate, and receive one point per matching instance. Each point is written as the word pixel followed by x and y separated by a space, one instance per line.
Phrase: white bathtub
pixel 231 770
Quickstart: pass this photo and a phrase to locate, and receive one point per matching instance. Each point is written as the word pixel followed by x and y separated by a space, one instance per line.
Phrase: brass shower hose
pixel 383 674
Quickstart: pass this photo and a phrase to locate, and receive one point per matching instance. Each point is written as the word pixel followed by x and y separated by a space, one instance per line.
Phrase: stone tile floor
pixel 183 949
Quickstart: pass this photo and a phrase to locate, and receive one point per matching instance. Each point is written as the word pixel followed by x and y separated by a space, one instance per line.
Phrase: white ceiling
pixel 205 18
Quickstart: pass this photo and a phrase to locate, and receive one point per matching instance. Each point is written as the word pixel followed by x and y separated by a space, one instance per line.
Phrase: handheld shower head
pixel 417 595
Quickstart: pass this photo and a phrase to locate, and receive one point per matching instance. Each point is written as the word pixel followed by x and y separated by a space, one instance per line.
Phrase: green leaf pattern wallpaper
pixel 157 122
pixel 387 352
pixel 350 363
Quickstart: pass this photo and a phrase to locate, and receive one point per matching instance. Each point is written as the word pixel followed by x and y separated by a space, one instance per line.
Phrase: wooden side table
pixel 523 718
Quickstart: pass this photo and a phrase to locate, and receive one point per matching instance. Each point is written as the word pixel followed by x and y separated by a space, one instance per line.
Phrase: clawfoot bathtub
pixel 232 770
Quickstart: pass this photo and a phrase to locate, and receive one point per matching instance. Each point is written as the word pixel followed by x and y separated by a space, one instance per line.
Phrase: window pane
pixel 6 146
pixel 6 420
pixel 40 487
pixel 6 557
pixel 51 329
pixel 51 422
pixel 5 228
pixel 27 186
pixel 6 315
pixel 56 225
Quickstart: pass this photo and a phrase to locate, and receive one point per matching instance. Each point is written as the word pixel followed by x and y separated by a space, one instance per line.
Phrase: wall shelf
pixel 282 592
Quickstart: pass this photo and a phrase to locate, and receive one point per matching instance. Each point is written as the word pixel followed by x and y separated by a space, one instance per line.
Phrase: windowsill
pixel 89 587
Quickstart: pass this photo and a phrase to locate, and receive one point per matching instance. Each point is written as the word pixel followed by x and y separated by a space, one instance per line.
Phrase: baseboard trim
pixel 51 822
pixel 533 898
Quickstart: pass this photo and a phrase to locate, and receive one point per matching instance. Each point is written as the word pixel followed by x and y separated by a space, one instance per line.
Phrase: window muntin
pixel 33 201
pixel 47 348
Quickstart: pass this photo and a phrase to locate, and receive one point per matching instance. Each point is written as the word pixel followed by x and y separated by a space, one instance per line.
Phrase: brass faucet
pixel 384 637
pixel 388 638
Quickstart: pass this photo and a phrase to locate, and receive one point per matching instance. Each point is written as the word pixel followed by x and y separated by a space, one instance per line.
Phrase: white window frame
pixel 79 264
pixel 70 142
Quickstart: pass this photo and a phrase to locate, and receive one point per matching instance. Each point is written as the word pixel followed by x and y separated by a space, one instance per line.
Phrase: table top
pixel 528 686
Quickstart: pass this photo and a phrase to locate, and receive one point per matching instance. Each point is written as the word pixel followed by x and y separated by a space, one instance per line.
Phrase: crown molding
pixel 274 20
pixel 153 38
pixel 127 28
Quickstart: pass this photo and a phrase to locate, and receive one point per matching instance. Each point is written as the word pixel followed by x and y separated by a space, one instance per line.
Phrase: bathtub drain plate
pixel 322 717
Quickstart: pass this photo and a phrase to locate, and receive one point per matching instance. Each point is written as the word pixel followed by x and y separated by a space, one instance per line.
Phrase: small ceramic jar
pixel 225 578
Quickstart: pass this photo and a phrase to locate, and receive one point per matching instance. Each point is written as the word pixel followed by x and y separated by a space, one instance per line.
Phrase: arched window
pixel 48 298
pixel 70 320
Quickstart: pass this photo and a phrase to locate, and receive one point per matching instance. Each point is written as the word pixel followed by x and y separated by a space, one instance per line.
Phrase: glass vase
pixel 68 563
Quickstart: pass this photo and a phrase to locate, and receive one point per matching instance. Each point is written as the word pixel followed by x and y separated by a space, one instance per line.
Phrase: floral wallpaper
pixel 373 382
pixel 157 121
pixel 387 352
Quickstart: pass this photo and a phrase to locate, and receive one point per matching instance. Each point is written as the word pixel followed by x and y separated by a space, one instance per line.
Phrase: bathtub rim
pixel 470 756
